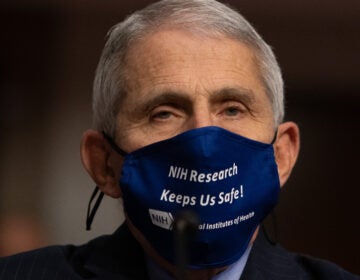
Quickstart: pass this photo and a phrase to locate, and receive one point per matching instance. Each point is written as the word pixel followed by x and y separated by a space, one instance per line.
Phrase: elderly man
pixel 189 131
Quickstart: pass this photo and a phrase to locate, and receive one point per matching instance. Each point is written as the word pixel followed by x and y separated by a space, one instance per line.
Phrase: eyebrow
pixel 177 99
pixel 182 100
pixel 241 94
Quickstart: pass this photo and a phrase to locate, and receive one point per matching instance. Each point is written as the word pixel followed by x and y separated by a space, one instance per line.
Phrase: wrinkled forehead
pixel 175 58
pixel 160 51
pixel 173 63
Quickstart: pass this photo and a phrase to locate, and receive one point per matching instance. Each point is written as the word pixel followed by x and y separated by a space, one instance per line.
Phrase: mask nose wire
pixel 91 211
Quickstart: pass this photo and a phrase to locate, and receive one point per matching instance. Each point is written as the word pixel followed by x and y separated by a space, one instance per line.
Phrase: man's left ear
pixel 286 146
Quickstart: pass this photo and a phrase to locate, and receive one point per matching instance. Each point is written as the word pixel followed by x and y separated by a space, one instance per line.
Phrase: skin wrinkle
pixel 159 77
pixel 182 100
pixel 156 66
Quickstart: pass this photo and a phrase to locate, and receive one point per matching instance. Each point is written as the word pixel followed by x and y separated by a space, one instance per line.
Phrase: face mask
pixel 229 181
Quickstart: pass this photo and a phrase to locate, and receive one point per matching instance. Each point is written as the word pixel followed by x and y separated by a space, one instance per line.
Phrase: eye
pixel 165 113
pixel 232 111
pixel 162 115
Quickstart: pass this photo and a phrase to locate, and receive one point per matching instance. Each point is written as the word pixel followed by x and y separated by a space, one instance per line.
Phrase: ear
pixel 99 161
pixel 286 146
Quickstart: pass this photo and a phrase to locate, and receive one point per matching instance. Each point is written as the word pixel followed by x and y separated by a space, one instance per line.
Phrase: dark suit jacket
pixel 120 257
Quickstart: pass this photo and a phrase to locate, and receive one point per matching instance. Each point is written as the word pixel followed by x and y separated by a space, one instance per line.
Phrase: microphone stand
pixel 186 225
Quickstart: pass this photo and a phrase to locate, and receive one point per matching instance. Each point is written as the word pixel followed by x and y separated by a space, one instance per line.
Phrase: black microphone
pixel 186 224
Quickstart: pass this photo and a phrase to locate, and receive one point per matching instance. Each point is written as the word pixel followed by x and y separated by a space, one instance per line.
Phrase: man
pixel 188 111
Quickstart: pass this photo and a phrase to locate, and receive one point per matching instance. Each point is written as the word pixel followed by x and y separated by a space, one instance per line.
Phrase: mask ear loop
pixel 273 240
pixel 92 211
pixel 113 145
pixel 275 136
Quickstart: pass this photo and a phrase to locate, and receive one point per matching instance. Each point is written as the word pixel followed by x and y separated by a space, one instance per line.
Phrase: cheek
pixel 258 130
pixel 137 139
pixel 132 143
pixel 141 135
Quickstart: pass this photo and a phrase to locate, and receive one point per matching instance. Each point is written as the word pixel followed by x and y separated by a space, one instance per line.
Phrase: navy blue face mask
pixel 229 181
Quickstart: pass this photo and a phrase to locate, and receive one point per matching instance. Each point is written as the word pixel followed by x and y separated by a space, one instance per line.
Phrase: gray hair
pixel 204 17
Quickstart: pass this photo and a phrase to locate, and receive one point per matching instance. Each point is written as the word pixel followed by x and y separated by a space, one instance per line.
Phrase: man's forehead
pixel 168 56
pixel 173 41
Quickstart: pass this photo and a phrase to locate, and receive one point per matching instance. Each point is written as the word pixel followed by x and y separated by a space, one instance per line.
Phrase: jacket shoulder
pixel 323 269
pixel 45 263
pixel 105 257
pixel 270 261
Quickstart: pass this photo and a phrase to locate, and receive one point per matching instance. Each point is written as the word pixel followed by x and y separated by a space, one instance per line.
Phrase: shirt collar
pixel 233 272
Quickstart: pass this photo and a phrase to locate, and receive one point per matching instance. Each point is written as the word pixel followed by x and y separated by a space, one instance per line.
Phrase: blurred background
pixel 48 54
